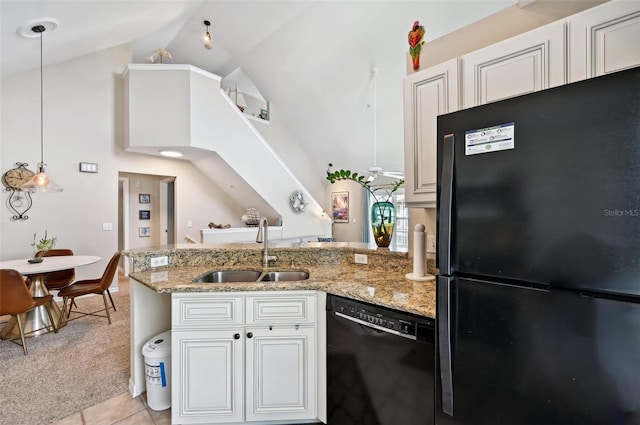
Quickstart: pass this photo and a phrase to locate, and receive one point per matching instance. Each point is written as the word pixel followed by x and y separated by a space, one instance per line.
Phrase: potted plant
pixel 43 244
pixel 382 211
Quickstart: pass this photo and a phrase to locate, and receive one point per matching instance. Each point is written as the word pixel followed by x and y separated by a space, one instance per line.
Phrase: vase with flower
pixel 383 212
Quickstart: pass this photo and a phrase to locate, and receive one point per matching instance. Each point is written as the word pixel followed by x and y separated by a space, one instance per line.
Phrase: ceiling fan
pixel 376 172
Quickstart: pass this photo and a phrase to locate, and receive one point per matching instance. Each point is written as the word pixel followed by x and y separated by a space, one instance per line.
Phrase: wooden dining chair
pixel 16 299
pixel 98 286
pixel 61 278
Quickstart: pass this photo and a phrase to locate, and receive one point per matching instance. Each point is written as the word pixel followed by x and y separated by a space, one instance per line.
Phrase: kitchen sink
pixel 284 276
pixel 219 276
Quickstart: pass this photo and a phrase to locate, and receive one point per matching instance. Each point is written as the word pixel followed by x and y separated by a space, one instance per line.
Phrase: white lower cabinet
pixel 281 384
pixel 229 369
pixel 209 369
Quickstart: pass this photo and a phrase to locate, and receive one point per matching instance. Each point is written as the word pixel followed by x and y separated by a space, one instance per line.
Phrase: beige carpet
pixel 85 363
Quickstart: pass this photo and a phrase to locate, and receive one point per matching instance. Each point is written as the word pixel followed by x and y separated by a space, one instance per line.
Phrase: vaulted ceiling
pixel 312 59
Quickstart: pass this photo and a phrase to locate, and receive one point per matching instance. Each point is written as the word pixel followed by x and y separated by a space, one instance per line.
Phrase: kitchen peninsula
pixel 167 297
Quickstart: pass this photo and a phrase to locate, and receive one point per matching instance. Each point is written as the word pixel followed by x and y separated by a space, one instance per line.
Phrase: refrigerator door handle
pixel 446 206
pixel 444 342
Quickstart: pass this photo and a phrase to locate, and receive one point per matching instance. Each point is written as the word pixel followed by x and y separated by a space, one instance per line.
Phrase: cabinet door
pixel 427 94
pixel 209 368
pixel 281 373
pixel 604 39
pixel 530 62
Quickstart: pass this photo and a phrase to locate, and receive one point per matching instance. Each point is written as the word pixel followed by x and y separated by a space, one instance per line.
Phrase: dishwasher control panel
pixel 378 317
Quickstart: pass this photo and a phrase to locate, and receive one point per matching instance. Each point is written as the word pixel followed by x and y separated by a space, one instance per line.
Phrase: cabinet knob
pixel 236 336
pixel 250 335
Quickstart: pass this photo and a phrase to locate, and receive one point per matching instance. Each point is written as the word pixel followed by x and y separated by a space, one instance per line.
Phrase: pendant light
pixel 207 36
pixel 41 182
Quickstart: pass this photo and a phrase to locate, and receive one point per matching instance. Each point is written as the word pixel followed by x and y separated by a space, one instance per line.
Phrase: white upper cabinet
pixel 604 39
pixel 533 61
pixel 427 94
pixel 597 41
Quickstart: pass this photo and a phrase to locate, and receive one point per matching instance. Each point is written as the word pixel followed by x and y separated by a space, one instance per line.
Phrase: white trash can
pixel 157 370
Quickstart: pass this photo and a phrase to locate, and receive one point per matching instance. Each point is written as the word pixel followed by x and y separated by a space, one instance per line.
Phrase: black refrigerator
pixel 538 251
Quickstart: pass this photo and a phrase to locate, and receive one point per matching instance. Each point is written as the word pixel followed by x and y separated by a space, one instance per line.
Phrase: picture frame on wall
pixel 144 232
pixel 144 215
pixel 144 198
pixel 340 207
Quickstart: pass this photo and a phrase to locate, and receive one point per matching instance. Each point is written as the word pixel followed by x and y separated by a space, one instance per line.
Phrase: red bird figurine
pixel 415 43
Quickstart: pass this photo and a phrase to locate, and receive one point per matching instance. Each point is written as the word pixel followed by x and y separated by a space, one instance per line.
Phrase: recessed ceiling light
pixel 171 154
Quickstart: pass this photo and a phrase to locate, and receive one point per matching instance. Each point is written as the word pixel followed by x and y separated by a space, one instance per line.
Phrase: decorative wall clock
pixel 19 201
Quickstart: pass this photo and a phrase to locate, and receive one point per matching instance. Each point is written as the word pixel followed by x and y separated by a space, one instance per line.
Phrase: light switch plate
pixel 107 226
pixel 88 167
pixel 431 244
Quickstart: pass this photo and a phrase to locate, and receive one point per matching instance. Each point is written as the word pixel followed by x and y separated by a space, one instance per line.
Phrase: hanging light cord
pixel 375 130
pixel 40 29
pixel 41 103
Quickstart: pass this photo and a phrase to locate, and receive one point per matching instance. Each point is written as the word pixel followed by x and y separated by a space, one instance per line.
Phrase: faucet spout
pixel 263 229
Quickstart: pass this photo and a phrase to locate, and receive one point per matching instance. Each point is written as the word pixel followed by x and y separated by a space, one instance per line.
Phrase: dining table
pixel 36 321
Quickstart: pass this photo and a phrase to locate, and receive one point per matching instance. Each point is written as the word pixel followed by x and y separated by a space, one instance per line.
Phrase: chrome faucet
pixel 265 252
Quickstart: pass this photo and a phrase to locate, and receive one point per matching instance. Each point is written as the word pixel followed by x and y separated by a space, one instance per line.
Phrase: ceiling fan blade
pixel 396 174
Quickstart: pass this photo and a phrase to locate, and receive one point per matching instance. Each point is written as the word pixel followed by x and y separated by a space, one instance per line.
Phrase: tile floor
pixel 120 410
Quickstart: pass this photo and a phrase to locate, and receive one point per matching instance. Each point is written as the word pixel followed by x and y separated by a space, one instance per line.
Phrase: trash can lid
pixel 158 346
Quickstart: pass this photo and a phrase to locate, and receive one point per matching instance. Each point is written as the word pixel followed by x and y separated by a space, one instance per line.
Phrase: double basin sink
pixel 220 276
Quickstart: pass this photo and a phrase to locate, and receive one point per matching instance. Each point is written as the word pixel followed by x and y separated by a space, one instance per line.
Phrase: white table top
pixel 50 264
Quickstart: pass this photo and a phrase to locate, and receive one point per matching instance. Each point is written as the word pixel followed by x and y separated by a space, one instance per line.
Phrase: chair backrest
pixel 54 252
pixel 110 271
pixel 14 295
pixel 59 278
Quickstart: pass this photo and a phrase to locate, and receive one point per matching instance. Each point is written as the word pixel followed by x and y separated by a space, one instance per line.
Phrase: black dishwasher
pixel 380 365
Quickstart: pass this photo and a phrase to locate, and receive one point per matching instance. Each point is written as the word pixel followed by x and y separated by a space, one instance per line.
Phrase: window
pixel 400 240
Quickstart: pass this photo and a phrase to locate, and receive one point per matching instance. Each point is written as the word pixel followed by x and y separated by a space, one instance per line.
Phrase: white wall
pixel 83 122
pixel 291 152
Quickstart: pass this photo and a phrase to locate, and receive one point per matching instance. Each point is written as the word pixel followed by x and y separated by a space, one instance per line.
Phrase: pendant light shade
pixel 41 182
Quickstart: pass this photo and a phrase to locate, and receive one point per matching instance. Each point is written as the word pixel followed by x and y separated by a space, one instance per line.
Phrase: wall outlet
pixel 107 226
pixel 431 244
pixel 361 259
pixel 159 261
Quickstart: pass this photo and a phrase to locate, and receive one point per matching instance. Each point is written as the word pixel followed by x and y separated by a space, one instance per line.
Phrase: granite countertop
pixel 331 269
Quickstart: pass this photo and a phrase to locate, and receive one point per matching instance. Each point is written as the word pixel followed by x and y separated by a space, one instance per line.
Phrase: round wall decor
pixel 297 202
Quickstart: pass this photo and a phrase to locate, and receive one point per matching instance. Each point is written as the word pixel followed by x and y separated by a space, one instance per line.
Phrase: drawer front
pixel 268 310
pixel 198 310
